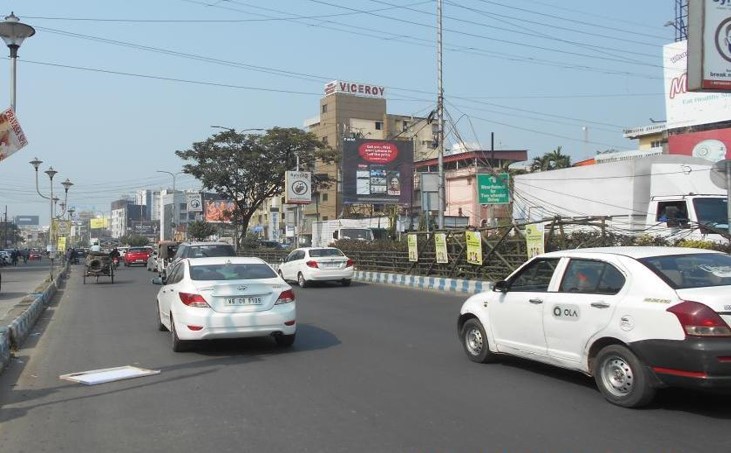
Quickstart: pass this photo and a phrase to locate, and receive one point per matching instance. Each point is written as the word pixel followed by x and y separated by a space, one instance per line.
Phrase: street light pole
pixel 51 255
pixel 13 32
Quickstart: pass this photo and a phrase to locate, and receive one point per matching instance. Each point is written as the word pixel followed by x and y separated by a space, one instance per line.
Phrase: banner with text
pixel 378 171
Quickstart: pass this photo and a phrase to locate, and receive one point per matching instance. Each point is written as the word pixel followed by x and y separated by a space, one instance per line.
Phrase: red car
pixel 136 255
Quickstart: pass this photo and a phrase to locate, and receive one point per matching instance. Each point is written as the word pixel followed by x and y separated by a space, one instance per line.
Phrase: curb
pixel 453 285
pixel 13 335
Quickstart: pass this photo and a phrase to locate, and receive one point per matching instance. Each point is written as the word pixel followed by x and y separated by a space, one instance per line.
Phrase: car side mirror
pixel 501 286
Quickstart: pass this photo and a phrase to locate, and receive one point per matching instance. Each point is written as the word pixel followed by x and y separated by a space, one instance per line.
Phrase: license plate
pixel 331 265
pixel 243 301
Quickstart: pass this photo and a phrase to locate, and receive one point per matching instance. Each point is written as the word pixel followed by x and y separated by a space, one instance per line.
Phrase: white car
pixel 634 318
pixel 224 297
pixel 317 264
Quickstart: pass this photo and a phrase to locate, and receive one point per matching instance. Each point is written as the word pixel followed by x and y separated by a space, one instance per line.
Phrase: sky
pixel 108 91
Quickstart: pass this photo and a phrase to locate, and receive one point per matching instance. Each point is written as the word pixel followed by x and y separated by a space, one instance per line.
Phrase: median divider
pixel 453 285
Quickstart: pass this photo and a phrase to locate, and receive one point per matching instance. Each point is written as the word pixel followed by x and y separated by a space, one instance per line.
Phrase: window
pixel 324 108
pixel 324 197
pixel 325 217
pixel 324 139
pixel 379 125
pixel 591 277
pixel 535 277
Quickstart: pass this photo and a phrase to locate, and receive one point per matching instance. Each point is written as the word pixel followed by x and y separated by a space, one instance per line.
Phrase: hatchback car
pixel 136 255
pixel 317 264
pixel 225 297
pixel 635 318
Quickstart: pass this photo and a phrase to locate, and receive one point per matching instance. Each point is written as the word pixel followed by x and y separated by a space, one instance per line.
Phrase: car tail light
pixel 193 300
pixel 285 298
pixel 312 263
pixel 699 320
pixel 350 263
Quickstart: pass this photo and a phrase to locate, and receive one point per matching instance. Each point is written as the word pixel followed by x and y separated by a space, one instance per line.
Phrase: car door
pixel 516 315
pixel 169 291
pixel 589 292
pixel 288 266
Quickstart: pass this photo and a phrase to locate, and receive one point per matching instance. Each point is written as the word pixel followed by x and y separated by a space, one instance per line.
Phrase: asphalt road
pixel 374 368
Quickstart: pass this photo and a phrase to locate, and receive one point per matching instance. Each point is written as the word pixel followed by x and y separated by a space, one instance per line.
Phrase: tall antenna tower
pixel 681 20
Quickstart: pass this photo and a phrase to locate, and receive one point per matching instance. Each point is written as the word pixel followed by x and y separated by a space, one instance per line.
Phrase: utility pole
pixel 440 120
pixel 5 228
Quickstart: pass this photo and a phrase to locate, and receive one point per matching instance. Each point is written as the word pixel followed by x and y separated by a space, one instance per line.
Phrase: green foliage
pixel 551 161
pixel 250 168
pixel 11 234
pixel 134 240
pixel 200 230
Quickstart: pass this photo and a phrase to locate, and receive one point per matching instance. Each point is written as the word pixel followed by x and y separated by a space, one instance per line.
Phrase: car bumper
pixel 695 363
pixel 321 275
pixel 234 325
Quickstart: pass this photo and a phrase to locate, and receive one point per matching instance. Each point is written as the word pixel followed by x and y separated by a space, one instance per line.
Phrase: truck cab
pixel 680 216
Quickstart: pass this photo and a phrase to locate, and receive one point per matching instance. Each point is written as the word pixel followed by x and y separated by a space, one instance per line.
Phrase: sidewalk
pixel 20 281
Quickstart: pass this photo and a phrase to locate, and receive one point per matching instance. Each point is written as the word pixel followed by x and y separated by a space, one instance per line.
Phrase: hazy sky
pixel 108 90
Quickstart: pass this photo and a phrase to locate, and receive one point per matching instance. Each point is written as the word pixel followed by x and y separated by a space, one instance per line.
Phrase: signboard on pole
pixel 474 247
pixel 12 137
pixel 299 187
pixel 709 45
pixel 493 189
pixel 534 239
pixel 412 240
pixel 195 202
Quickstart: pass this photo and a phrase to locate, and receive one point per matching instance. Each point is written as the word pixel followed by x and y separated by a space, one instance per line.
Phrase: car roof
pixel 635 252
pixel 224 260
pixel 205 243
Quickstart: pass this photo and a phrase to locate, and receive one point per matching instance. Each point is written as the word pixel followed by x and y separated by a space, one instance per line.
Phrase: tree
pixel 250 168
pixel 200 230
pixel 134 240
pixel 551 161
pixel 11 234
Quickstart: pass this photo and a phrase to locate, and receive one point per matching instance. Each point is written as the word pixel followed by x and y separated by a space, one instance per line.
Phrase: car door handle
pixel 600 304
pixel 535 301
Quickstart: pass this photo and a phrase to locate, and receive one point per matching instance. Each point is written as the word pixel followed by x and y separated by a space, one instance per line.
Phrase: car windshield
pixel 316 253
pixel 198 251
pixel 695 270
pixel 356 233
pixel 231 271
pixel 712 211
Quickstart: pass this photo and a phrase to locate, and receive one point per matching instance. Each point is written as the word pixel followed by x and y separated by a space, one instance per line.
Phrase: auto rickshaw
pixel 165 253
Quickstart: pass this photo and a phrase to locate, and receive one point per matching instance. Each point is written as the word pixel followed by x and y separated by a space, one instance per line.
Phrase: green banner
pixel 493 189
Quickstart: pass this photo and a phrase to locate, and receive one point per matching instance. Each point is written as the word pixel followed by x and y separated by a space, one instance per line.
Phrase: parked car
pixel 634 318
pixel 152 261
pixel 5 258
pixel 317 264
pixel 224 297
pixel 136 255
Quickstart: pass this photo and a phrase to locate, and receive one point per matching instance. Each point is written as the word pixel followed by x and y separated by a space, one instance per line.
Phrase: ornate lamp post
pixel 13 32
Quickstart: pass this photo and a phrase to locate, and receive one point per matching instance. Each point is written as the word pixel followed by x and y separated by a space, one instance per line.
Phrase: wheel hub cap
pixel 474 341
pixel 618 374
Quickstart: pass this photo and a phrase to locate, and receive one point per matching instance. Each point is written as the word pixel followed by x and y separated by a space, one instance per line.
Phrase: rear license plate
pixel 243 301
pixel 331 265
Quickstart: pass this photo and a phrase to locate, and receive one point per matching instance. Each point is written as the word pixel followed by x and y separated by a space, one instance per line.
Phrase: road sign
pixel 493 189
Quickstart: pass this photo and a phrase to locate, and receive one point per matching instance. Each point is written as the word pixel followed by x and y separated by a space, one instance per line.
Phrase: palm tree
pixel 551 161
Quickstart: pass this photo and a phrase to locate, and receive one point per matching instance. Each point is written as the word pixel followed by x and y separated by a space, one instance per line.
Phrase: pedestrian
pixel 14 257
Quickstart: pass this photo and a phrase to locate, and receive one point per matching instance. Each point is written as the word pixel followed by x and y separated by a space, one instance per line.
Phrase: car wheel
pixel 345 282
pixel 474 340
pixel 160 326
pixel 284 341
pixel 178 344
pixel 301 280
pixel 621 377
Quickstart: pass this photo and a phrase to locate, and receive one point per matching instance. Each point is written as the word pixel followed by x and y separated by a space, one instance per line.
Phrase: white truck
pixel 670 196
pixel 325 232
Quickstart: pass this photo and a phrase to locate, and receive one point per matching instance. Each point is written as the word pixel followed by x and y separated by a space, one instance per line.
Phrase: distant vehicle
pixel 634 318
pixel 34 256
pixel 224 297
pixel 136 255
pixel 5 258
pixel 317 264
pixel 668 196
pixel 165 252
pixel 325 233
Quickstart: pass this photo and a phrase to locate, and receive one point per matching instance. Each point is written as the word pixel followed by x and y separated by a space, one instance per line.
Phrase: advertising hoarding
pixel 709 45
pixel 377 171
pixel 220 211
pixel 12 137
pixel 298 187
pixel 712 145
pixel 26 220
pixel 194 202
pixel 683 108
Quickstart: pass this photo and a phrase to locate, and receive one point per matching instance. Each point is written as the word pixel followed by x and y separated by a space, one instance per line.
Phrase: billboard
pixel 683 108
pixel 298 187
pixel 220 211
pixel 709 45
pixel 26 220
pixel 711 145
pixel 98 223
pixel 377 171
pixel 194 202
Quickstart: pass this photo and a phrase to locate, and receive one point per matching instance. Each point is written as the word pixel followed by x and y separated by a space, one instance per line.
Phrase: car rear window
pixel 137 250
pixel 199 251
pixel 316 253
pixel 696 270
pixel 231 272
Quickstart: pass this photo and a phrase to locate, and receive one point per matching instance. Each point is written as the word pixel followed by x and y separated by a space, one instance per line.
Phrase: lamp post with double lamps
pixel 13 32
pixel 52 200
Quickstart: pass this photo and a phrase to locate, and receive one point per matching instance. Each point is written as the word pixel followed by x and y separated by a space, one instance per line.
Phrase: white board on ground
pixel 104 375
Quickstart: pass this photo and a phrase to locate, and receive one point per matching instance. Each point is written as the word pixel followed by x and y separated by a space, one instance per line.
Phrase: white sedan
pixel 320 264
pixel 634 318
pixel 224 297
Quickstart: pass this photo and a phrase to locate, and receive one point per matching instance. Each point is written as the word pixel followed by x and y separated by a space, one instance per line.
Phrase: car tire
pixel 475 343
pixel 160 326
pixel 178 344
pixel 622 378
pixel 345 282
pixel 284 341
pixel 301 280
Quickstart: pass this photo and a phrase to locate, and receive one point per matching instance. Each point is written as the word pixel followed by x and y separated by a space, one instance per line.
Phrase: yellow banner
pixel 413 247
pixel 61 244
pixel 98 223
pixel 534 240
pixel 440 246
pixel 474 247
